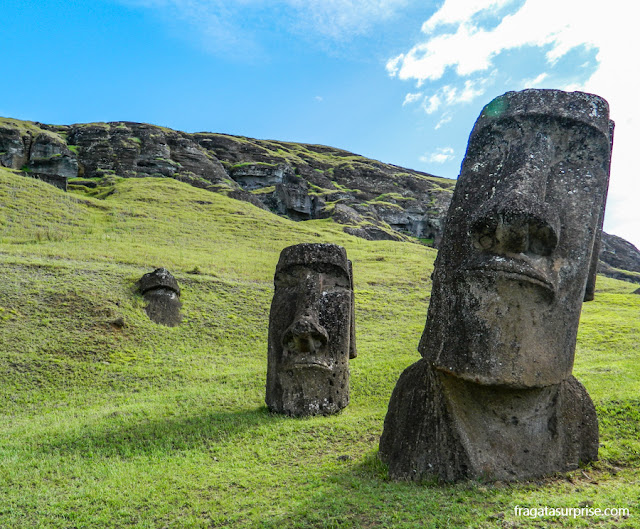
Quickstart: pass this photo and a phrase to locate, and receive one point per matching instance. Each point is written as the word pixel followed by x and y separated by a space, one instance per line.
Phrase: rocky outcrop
pixel 137 150
pixel 619 259
pixel 37 152
pixel 295 180
pixel 51 160
pixel 310 181
pixel 369 198
pixel 14 150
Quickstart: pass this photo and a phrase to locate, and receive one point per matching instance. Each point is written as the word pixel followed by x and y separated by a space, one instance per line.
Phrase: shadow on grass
pixel 121 435
pixel 361 495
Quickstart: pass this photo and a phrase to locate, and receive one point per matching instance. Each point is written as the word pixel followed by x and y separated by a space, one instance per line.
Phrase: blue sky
pixel 401 81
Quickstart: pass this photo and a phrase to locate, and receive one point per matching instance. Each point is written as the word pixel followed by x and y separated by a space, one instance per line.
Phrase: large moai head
pixel 514 261
pixel 311 331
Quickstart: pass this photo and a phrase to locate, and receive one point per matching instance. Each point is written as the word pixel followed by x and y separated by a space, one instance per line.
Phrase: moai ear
pixel 352 325
pixel 590 290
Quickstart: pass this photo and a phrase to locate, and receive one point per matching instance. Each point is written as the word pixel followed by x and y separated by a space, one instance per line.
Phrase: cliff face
pixel 370 199
pixel 28 147
pixel 619 259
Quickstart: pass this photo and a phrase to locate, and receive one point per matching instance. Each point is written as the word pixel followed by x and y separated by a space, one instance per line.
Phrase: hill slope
pixel 150 426
pixel 370 199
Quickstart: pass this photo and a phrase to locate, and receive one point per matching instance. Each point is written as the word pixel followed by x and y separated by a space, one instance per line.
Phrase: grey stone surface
pixel 619 259
pixel 619 253
pixel 441 426
pixel 14 148
pixel 52 161
pixel 162 294
pixel 508 286
pixel 292 198
pixel 311 331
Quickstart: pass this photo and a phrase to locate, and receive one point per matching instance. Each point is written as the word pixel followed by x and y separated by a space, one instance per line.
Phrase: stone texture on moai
pixel 311 331
pixel 493 396
pixel 162 294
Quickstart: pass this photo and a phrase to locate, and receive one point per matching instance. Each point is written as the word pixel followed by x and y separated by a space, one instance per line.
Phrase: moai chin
pixel 493 396
pixel 311 331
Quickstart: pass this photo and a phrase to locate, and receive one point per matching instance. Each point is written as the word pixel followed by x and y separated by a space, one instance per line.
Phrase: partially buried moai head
pixel 311 331
pixel 162 293
pixel 512 269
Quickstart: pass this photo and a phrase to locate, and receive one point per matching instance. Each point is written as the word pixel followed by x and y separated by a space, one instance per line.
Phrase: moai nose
pixel 305 335
pixel 517 220
pixel 516 224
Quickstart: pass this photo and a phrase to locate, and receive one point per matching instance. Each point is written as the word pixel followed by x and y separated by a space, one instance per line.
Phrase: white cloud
pixel 449 96
pixel 572 87
pixel 319 99
pixel 431 104
pixel 215 25
pixel 457 11
pixel 616 80
pixel 441 155
pixel 232 26
pixel 560 26
pixel 412 98
pixel 393 65
pixel 338 19
pixel 471 90
pixel 456 44
pixel 536 81
pixel 446 118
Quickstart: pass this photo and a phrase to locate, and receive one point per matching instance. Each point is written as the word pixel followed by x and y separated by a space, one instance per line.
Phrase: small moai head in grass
pixel 162 293
pixel 311 331
pixel 520 236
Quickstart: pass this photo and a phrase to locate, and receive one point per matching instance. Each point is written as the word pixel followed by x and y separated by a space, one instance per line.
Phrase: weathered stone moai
pixel 162 293
pixel 311 331
pixel 493 396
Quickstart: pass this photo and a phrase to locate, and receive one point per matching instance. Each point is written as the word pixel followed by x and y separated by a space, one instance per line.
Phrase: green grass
pixel 149 426
pixel 252 164
pixel 263 190
pixel 385 197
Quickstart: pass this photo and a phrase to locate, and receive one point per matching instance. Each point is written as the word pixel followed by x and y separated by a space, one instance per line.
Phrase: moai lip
pixel 514 266
pixel 311 331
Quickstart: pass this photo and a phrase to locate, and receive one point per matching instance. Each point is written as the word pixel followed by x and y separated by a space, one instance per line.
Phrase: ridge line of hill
pixel 370 199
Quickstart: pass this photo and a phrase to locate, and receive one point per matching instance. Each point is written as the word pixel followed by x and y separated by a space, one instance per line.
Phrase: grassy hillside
pixel 148 426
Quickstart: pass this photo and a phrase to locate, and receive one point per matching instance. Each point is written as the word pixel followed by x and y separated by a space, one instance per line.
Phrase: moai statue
pixel 493 396
pixel 162 293
pixel 311 331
